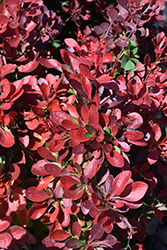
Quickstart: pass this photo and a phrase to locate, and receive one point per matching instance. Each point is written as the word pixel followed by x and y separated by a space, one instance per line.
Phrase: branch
pixel 129 36
pixel 111 25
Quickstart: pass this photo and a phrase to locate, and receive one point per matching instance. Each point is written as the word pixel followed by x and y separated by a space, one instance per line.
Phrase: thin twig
pixel 111 25
pixel 120 53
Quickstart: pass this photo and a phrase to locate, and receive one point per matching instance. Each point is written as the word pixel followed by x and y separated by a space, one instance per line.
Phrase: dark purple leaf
pixel 73 243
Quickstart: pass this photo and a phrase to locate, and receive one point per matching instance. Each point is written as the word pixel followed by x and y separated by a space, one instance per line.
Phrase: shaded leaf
pixel 38 168
pixel 120 182
pixel 73 243
pixel 134 191
pixel 37 210
pixel 115 158
pixel 52 169
pixel 85 71
pixel 96 232
pixel 45 153
pixel 59 235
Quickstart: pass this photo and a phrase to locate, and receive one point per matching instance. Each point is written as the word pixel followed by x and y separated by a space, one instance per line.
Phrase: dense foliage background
pixel 83 106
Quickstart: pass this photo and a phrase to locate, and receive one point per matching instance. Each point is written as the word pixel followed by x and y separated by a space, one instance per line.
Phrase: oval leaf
pixel 134 191
pixel 6 139
pixel 36 195
pixel 5 240
pixel 37 210
pixel 73 243
pixel 59 235
pixel 29 67
pixel 91 168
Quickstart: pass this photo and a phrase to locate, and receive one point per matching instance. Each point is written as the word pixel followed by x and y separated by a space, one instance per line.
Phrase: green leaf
pixel 127 64
pixel 124 61
pixel 88 134
pixel 135 60
pixel 107 131
pixel 56 43
pixel 133 47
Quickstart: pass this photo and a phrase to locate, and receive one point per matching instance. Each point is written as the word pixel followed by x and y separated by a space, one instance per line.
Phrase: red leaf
pixel 153 157
pixel 109 241
pixel 73 193
pixel 120 182
pixel 72 43
pixel 38 111
pixel 135 120
pixel 140 70
pixel 38 168
pixel 65 56
pixel 56 146
pixel 103 78
pixel 91 168
pixel 4 19
pixel 74 243
pixel 76 229
pixel 5 223
pixel 53 169
pixel 93 116
pixel 108 184
pixel 7 69
pixel 162 169
pixel 14 171
pixel 37 210
pixel 162 193
pixel 33 124
pixel 50 63
pixel 79 149
pixel 115 158
pixel 82 111
pixel 158 213
pixel 59 235
pixel 44 182
pixel 96 232
pixel 45 153
pixel 58 116
pixel 147 60
pixel 79 135
pixel 6 139
pixel 36 195
pixel 68 181
pixel 140 142
pixel 134 135
pixel 5 240
pixel 17 232
pixel 156 133
pixel 29 67
pixel 134 191
pixel 6 88
pixel 69 124
pixel 85 71
pixel 22 217
pixel 87 86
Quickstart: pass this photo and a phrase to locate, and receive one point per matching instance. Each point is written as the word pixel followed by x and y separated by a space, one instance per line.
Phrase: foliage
pixel 83 148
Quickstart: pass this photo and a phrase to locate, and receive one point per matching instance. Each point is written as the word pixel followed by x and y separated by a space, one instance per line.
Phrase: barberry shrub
pixel 83 145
